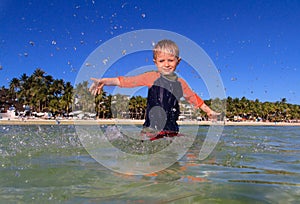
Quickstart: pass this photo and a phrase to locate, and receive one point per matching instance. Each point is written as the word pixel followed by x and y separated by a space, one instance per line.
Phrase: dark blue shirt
pixel 163 104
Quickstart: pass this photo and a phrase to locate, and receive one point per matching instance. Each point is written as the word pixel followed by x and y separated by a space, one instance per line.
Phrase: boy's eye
pixel 169 60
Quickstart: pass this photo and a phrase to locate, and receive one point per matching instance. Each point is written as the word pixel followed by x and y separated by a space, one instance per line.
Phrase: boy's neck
pixel 171 76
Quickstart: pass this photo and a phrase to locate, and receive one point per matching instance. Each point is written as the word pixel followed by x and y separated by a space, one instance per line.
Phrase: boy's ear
pixel 178 60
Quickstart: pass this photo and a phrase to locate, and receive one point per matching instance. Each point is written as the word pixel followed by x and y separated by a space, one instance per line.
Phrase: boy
pixel 164 93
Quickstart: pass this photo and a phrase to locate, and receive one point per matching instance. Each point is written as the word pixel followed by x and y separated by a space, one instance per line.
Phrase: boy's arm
pixel 195 100
pixel 145 79
pixel 97 86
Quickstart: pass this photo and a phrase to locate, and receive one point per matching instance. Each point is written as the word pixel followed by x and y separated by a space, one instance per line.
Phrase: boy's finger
pixel 93 86
pixel 94 79
pixel 99 89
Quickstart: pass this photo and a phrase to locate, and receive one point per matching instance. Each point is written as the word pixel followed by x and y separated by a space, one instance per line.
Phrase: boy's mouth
pixel 166 69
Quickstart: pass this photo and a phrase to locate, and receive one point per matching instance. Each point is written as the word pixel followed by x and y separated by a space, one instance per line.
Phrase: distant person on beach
pixel 164 93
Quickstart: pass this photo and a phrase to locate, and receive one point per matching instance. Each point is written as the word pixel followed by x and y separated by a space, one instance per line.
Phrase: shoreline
pixel 133 122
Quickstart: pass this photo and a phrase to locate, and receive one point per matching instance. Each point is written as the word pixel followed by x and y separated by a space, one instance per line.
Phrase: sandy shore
pixel 132 122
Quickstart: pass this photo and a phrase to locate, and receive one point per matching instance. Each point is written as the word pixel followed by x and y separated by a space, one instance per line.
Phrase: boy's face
pixel 166 63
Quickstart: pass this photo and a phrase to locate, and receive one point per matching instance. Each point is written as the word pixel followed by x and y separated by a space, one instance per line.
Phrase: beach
pixel 7 121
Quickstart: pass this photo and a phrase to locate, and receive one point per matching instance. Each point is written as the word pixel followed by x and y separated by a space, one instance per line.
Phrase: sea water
pixel 250 164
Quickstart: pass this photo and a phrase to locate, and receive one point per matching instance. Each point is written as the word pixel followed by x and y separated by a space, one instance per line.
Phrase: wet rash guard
pixel 163 104
pixel 163 98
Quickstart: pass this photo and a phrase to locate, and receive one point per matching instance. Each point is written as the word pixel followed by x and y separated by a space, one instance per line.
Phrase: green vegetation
pixel 266 111
pixel 42 93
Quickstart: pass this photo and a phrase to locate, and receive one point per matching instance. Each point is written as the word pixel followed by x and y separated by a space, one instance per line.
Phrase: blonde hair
pixel 166 46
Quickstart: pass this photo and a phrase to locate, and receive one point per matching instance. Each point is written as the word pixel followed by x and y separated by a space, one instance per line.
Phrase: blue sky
pixel 255 45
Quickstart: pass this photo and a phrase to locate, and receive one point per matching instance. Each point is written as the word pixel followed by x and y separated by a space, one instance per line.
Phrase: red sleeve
pixel 145 79
pixel 190 95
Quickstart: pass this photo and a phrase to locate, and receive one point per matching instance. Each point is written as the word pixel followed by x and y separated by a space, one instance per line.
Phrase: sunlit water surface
pixel 48 164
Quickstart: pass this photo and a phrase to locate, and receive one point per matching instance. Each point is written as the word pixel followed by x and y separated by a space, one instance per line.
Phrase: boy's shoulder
pixel 151 72
pixel 182 81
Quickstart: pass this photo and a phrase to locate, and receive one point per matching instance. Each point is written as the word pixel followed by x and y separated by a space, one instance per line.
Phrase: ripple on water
pixel 250 164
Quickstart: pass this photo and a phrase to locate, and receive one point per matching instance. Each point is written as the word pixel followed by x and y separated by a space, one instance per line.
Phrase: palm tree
pixel 38 73
pixel 102 105
pixel 14 87
pixel 229 108
pixel 23 78
pixel 119 105
pixel 67 98
pixel 141 107
pixel 24 93
pixel 55 93
pixel 38 89
pixel 85 98
pixel 256 108
pixel 132 107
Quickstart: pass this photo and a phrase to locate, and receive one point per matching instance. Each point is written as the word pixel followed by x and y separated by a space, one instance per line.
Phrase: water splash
pixel 30 138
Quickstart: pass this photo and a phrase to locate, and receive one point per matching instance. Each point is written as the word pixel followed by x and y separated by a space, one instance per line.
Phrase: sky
pixel 254 45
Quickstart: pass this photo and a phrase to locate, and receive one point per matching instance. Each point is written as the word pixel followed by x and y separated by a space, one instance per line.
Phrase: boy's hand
pixel 96 87
pixel 213 115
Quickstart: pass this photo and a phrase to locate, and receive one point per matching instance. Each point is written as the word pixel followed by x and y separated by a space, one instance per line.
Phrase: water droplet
pixel 143 15
pixel 123 5
pixel 105 61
